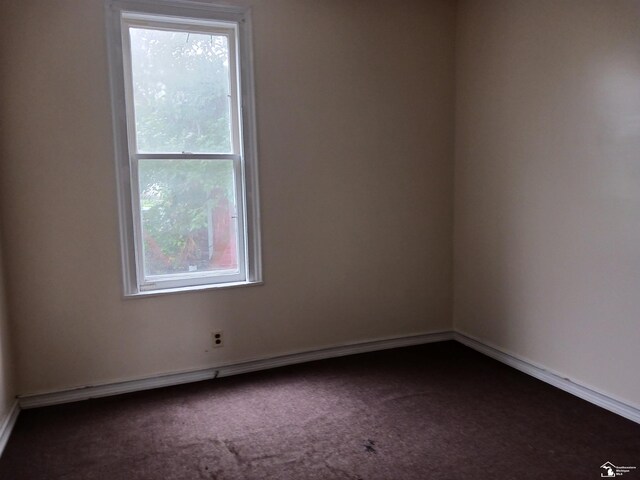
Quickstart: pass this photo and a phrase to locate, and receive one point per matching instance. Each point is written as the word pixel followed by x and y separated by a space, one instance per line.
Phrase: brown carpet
pixel 439 411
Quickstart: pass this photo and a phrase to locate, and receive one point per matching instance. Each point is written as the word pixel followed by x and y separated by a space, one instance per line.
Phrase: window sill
pixel 194 288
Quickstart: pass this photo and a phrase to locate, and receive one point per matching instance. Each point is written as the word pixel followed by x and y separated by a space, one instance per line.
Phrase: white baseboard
pixel 597 398
pixel 7 425
pixel 96 391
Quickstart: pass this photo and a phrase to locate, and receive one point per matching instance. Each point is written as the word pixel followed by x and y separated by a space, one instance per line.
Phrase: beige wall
pixel 7 391
pixel 355 125
pixel 355 119
pixel 7 365
pixel 547 203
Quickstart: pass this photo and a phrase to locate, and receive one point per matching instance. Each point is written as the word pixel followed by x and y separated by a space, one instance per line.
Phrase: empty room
pixel 319 239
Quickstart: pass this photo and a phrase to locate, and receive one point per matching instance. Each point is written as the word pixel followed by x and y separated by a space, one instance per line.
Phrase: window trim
pixel 126 173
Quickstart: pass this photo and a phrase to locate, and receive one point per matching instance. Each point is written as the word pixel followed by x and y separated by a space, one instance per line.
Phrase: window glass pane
pixel 181 91
pixel 189 217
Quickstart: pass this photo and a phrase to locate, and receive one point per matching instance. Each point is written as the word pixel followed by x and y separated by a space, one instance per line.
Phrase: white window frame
pixel 235 22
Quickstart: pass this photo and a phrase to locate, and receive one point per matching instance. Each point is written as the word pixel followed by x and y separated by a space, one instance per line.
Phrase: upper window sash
pixel 217 28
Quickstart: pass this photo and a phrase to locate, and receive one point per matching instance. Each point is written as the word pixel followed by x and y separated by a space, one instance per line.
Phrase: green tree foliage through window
pixel 181 91
pixel 188 215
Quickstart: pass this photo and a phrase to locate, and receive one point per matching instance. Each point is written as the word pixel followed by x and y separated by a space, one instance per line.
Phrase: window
pixel 184 130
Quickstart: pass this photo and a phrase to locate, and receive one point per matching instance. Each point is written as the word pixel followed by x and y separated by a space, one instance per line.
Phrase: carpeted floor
pixel 439 411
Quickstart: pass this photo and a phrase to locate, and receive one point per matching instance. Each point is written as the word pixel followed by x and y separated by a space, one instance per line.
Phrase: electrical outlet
pixel 217 339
